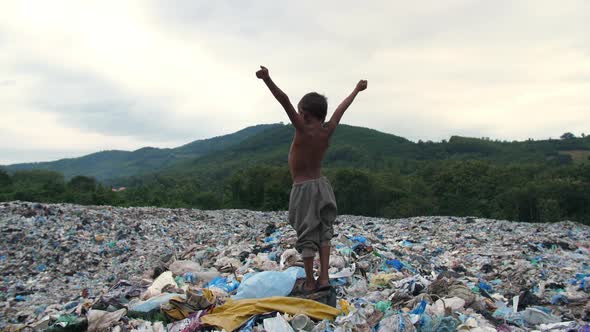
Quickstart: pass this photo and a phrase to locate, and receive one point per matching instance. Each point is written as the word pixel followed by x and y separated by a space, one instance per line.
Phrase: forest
pixel 528 192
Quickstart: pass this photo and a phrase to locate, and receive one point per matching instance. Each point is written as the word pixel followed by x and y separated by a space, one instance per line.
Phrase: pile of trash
pixel 99 268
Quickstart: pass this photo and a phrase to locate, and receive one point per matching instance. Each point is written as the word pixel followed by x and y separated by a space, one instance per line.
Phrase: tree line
pixel 524 192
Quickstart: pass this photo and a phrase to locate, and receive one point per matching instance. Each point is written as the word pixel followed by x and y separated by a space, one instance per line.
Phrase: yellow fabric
pixel 235 313
pixel 176 309
pixel 344 306
pixel 179 308
pixel 208 294
pixel 175 313
pixel 383 279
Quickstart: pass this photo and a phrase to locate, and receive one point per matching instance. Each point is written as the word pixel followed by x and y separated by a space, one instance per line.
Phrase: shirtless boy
pixel 312 205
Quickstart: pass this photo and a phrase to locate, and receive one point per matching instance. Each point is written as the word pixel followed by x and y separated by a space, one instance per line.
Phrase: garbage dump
pixel 99 268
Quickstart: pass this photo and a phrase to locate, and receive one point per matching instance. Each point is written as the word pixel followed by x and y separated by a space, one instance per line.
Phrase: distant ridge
pixel 268 144
pixel 116 163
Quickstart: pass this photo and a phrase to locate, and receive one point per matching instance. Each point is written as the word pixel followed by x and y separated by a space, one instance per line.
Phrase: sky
pixel 77 77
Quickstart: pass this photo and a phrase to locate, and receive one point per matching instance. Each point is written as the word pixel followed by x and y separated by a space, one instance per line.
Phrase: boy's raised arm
pixel 333 123
pixel 281 97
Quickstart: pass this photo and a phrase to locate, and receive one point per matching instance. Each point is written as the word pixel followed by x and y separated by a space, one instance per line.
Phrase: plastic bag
pixel 226 284
pixel 156 288
pixel 277 324
pixel 395 263
pixel 181 267
pixel 359 239
pixel 99 320
pixel 396 323
pixel 269 283
pixel 534 317
pixel 383 305
pixel 452 303
pixel 358 288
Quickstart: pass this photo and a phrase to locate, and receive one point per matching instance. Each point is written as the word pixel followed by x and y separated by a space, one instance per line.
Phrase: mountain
pixel 115 164
pixel 373 174
pixel 366 148
pixel 215 158
pixel 350 147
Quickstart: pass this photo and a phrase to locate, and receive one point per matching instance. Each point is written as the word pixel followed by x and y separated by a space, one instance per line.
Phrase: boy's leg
pixel 301 218
pixel 309 284
pixel 328 212
pixel 323 280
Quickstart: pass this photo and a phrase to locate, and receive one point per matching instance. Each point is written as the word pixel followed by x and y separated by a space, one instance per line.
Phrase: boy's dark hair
pixel 315 104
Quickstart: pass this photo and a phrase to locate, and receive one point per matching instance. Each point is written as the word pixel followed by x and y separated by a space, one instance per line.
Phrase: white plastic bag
pixel 277 324
pixel 268 283
pixel 156 288
pixel 179 268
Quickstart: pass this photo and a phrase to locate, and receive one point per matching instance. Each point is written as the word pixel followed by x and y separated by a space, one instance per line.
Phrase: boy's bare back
pixel 307 152
pixel 312 135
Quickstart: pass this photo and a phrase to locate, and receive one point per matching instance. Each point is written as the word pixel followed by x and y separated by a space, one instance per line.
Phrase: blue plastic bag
pixel 420 308
pixel 486 287
pixel 559 299
pixel 425 323
pixel 224 283
pixel 359 239
pixel 189 277
pixel 268 283
pixel 584 279
pixel 407 243
pixel 396 264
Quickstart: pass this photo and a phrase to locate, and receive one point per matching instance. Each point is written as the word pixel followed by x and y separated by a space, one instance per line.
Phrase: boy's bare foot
pixel 322 284
pixel 309 287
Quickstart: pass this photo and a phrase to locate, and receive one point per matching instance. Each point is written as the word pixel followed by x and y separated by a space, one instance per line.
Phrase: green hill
pixel 268 145
pixel 370 149
pixel 350 147
pixel 106 165
pixel 373 173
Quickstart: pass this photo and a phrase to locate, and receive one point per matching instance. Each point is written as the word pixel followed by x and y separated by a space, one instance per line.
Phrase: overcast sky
pixel 78 77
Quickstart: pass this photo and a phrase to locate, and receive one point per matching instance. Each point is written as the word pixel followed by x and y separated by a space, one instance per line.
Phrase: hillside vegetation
pixel 373 174
pixel 106 165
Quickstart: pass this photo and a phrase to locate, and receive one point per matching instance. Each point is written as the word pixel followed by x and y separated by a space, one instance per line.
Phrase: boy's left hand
pixel 361 85
pixel 262 73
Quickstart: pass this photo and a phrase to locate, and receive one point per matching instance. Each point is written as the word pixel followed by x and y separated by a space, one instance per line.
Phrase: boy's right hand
pixel 262 73
pixel 361 85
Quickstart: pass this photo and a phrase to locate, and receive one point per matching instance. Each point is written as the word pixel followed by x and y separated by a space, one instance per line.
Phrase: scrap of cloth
pixel 179 308
pixel 234 313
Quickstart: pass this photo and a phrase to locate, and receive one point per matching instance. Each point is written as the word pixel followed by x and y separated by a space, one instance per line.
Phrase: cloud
pixel 88 102
pixel 126 74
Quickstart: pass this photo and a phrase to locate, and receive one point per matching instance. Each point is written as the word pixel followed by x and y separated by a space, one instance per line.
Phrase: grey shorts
pixel 312 210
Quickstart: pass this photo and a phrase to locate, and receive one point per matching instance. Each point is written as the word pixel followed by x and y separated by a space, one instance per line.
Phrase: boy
pixel 312 205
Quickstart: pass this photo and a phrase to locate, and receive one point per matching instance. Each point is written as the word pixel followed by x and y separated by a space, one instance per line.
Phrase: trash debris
pixel 226 284
pixel 232 314
pixel 152 269
pixel 269 283
pixel 163 280
pixel 182 267
pixel 301 322
pixel 277 324
pixel 99 320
